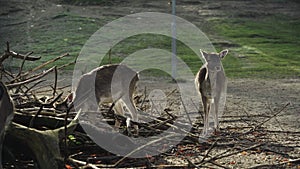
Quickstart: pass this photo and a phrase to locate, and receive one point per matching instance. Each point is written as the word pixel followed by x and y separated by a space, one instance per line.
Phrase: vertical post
pixel 174 59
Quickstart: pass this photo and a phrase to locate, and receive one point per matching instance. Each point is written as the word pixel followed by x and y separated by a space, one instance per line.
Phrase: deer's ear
pixel 223 53
pixel 203 54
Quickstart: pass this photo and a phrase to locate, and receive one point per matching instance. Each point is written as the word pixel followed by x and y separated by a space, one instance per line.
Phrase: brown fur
pixel 113 84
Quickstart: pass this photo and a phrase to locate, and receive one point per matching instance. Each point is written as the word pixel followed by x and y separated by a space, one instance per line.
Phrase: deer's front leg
pixel 216 118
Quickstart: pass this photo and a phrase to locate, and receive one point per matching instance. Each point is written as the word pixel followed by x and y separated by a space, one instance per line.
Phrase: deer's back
pixel 108 80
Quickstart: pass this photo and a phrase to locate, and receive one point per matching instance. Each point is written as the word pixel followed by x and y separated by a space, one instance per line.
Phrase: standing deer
pixel 6 115
pixel 113 84
pixel 211 84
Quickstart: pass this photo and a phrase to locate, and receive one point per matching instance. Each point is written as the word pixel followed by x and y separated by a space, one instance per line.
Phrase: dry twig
pixel 274 115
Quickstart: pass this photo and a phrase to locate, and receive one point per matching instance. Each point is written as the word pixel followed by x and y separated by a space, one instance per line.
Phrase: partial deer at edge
pixel 210 83
pixel 6 114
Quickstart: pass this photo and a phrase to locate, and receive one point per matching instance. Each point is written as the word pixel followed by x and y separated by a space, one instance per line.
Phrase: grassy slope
pixel 66 33
pixel 265 47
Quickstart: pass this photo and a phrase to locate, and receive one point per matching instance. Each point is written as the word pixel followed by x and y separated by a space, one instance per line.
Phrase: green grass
pixel 267 47
pixel 66 33
pixel 146 41
pixel 264 47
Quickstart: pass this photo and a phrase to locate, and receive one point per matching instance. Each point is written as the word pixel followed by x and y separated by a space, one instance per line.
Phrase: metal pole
pixel 174 59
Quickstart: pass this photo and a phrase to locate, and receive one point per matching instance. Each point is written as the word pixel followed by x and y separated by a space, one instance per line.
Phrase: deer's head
pixel 215 71
pixel 213 60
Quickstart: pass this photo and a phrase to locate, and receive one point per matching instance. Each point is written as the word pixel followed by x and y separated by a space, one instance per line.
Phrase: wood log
pixel 43 144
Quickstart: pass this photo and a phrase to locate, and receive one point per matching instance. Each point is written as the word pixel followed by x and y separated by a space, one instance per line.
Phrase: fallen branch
pixel 55 82
pixel 37 83
pixel 190 163
pixel 8 53
pixel 48 90
pixel 23 62
pixel 208 151
pixel 269 107
pixel 41 75
pixel 275 165
pixel 46 63
pixel 220 156
pixel 274 115
pixel 85 164
pixel 65 65
pixel 186 112
pixel 141 147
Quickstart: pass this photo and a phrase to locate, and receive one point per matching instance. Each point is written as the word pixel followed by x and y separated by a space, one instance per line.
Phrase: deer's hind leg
pixel 206 107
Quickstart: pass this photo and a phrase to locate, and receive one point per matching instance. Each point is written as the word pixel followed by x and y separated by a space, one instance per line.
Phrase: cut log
pixel 43 144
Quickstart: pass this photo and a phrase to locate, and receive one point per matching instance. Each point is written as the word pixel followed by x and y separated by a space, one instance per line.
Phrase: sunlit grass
pixel 266 47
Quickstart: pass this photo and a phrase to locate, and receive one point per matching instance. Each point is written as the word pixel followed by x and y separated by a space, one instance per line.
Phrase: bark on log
pixel 43 144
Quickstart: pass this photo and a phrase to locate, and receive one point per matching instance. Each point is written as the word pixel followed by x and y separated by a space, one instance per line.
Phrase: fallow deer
pixel 114 83
pixel 211 84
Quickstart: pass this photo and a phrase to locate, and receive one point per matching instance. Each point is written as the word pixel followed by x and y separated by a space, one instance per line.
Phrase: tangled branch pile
pixel 36 123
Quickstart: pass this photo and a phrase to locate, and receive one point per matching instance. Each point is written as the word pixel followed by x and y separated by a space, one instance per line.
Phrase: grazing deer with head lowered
pixel 113 84
pixel 6 114
pixel 211 84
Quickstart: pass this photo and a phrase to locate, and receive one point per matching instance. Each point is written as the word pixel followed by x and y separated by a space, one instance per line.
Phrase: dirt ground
pixel 249 101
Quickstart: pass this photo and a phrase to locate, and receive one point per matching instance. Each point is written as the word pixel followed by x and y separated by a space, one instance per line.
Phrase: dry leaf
pixel 244 153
